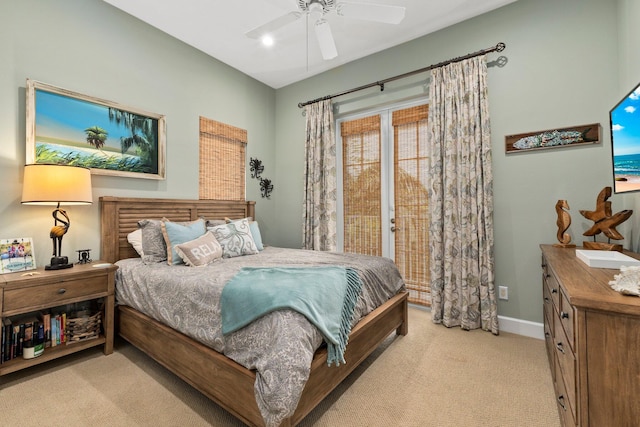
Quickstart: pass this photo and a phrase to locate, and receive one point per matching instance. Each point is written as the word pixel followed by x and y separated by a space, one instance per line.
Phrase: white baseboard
pixel 521 327
pixel 510 324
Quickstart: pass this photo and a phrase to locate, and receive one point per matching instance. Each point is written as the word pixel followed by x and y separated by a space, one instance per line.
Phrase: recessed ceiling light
pixel 267 40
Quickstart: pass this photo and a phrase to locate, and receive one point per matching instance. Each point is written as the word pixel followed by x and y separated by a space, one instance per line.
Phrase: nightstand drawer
pixel 52 294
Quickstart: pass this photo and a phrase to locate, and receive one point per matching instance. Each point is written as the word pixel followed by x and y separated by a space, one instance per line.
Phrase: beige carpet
pixel 432 377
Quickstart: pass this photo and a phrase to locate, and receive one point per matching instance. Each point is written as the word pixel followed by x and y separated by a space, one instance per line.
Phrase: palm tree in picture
pixel 143 136
pixel 96 136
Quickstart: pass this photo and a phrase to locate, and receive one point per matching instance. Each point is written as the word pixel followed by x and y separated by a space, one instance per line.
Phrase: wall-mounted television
pixel 624 121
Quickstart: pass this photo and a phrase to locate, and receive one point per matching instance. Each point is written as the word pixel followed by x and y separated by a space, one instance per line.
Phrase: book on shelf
pixel 17 350
pixel 45 319
pixel 37 331
pixel 7 339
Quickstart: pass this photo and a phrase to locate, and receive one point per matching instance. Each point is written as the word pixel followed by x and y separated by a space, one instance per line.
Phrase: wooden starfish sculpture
pixel 605 222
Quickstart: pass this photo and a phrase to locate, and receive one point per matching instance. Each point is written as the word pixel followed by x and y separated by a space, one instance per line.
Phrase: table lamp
pixel 57 185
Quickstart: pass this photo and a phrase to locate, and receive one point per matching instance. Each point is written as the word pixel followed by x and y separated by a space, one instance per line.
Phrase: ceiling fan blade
pixel 271 26
pixel 371 12
pixel 325 39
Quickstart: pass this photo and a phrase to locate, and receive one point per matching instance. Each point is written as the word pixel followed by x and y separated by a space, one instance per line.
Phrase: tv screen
pixel 624 120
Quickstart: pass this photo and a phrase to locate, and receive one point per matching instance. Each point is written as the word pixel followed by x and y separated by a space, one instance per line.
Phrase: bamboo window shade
pixel 362 186
pixel 222 161
pixel 411 201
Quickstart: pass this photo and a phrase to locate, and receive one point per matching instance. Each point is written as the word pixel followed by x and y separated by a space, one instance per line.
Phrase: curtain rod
pixel 497 48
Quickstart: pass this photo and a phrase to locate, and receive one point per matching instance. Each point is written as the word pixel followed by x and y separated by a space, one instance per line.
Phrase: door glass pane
pixel 411 207
pixel 362 187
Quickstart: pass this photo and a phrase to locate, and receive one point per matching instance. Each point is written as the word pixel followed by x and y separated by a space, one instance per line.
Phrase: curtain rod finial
pixel 500 47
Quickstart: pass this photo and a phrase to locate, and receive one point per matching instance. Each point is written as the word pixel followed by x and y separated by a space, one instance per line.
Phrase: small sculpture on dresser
pixel 605 222
pixel 563 222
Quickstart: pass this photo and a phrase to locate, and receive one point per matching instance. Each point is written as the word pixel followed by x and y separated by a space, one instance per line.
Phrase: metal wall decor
pixel 266 187
pixel 256 168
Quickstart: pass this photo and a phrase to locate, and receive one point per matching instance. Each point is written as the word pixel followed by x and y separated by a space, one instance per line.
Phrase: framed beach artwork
pixel 16 255
pixel 68 128
pixel 554 138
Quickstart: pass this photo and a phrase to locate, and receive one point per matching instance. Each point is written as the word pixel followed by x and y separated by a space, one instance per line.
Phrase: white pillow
pixel 135 239
pixel 255 230
pixel 235 238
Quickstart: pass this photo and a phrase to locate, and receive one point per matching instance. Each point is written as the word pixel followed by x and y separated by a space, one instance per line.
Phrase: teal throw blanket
pixel 326 296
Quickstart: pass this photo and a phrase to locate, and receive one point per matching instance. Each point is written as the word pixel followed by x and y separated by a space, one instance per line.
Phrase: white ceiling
pixel 218 27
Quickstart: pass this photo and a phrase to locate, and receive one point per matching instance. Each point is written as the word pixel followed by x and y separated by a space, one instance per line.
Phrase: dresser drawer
pixel 567 414
pixel 547 305
pixel 549 344
pixel 551 283
pixel 566 366
pixel 567 316
pixel 52 294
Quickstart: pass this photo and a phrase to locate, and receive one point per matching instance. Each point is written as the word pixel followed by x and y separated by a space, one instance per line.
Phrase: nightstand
pixel 36 290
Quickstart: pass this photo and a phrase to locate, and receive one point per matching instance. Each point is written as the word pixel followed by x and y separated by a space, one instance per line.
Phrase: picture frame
pixel 16 254
pixel 69 128
pixel 553 138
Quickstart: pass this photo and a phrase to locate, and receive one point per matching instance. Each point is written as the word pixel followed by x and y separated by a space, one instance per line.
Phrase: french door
pixel 384 190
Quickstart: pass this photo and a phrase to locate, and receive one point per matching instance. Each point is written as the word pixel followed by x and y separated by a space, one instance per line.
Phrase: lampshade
pixel 52 184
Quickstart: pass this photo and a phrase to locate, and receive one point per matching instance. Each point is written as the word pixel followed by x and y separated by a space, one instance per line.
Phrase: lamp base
pixel 58 263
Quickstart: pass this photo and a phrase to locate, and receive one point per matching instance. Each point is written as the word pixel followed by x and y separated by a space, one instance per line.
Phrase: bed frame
pixel 219 378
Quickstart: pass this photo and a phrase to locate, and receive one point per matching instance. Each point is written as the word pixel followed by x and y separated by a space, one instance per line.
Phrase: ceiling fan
pixel 317 9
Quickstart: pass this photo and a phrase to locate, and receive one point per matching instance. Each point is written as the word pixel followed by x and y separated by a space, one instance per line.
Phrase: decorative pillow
pixel 255 230
pixel 175 233
pixel 153 245
pixel 235 238
pixel 213 222
pixel 201 251
pixel 255 233
pixel 135 239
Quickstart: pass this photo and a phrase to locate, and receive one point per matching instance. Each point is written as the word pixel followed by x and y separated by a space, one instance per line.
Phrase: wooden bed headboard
pixel 119 216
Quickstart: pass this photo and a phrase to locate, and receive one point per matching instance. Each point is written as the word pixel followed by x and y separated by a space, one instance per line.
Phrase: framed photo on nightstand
pixel 16 255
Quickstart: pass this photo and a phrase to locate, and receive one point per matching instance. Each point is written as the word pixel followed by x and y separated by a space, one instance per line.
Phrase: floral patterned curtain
pixel 461 198
pixel 319 228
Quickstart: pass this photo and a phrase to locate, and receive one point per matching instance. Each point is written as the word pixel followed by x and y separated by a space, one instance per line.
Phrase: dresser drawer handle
pixel 564 315
pixel 561 402
pixel 560 347
pixel 554 290
pixel 61 291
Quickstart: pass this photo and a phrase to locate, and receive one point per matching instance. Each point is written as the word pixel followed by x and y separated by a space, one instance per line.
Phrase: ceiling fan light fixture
pixel 267 40
pixel 316 11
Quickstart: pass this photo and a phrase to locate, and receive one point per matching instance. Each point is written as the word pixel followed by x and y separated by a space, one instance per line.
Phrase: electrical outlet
pixel 503 292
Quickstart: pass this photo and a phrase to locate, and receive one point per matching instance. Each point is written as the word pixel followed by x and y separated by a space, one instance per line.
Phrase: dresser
pixel 592 338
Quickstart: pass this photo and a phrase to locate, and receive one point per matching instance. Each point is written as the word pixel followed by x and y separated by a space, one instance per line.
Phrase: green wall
pixel 568 63
pixel 90 47
pixel 562 70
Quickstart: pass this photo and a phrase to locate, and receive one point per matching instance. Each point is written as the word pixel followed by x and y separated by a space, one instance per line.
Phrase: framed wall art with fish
pixel 553 138
pixel 68 128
